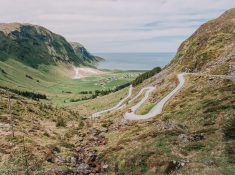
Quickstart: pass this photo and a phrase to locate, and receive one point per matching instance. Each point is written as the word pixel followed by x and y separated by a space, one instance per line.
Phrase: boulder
pixel 175 165
pixel 82 167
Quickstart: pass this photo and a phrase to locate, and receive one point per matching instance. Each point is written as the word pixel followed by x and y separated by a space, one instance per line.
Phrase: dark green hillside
pixel 146 75
pixel 34 45
pixel 84 55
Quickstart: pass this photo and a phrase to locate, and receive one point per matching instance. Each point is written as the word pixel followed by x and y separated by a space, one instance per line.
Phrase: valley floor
pixel 60 83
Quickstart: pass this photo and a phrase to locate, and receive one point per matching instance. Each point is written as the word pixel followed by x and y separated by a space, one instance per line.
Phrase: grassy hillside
pixel 196 128
pixel 210 49
pixel 35 59
pixel 34 45
pixel 151 147
pixel 56 81
pixel 194 134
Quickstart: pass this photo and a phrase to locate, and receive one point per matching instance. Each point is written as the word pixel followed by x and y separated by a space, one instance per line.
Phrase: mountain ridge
pixel 83 53
pixel 34 45
pixel 210 48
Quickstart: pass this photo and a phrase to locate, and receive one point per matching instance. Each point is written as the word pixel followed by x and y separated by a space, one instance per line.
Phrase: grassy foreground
pixel 196 129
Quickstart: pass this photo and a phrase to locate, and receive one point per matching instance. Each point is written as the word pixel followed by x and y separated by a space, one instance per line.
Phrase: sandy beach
pixel 81 72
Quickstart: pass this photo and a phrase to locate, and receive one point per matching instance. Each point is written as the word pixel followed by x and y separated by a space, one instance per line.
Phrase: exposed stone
pixel 105 166
pixel 190 137
pixel 175 165
pixel 95 131
pixel 105 130
pixel 93 156
pixel 82 167
pixel 73 160
pixel 4 125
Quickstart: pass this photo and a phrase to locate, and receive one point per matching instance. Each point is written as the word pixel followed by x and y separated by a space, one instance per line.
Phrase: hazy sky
pixel 117 25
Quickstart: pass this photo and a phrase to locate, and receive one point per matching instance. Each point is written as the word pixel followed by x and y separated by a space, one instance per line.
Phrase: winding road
pixel 117 106
pixel 137 96
pixel 157 109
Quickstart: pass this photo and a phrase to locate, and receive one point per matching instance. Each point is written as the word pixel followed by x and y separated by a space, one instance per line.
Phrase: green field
pixel 55 82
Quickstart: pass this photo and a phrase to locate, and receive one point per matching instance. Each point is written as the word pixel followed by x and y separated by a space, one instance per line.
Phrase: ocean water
pixel 134 61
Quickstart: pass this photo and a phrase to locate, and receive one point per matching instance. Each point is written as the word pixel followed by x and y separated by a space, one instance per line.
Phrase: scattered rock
pixel 73 160
pixel 93 156
pixel 211 78
pixel 95 131
pixel 3 125
pixel 83 166
pixel 196 137
pixel 190 137
pixel 175 165
pixel 105 166
pixel 210 163
pixel 104 130
pixel 183 137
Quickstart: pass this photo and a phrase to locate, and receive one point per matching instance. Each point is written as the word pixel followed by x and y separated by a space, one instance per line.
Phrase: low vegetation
pixel 32 95
pixel 99 93
pixel 183 133
pixel 194 134
pixel 146 75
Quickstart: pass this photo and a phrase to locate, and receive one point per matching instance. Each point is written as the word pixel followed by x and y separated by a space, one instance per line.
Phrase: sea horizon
pixel 134 60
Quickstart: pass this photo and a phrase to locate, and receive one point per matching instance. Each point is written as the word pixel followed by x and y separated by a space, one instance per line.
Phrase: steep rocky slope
pixel 83 54
pixel 34 45
pixel 211 48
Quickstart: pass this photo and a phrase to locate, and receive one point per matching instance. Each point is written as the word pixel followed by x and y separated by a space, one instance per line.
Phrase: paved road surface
pixel 117 106
pixel 137 96
pixel 157 109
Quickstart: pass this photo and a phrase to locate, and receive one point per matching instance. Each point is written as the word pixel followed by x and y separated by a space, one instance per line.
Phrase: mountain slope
pixel 211 48
pixel 83 54
pixel 34 45
pixel 193 135
pixel 195 132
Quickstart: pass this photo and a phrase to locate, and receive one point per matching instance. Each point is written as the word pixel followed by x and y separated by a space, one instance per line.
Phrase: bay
pixel 134 61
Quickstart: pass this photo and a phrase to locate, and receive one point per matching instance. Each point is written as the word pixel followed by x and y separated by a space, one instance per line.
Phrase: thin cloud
pixel 117 25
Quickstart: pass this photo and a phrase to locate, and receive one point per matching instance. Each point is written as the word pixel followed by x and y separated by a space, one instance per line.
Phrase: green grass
pixel 144 109
pixel 55 82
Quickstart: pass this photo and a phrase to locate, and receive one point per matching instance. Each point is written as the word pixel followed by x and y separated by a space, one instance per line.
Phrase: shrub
pixel 146 75
pixel 74 100
pixel 60 122
pixel 107 123
pixel 28 76
pixel 3 71
pixel 194 146
pixel 34 96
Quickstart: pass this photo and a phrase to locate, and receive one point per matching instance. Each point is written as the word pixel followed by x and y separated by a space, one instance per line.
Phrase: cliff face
pixel 211 48
pixel 34 45
pixel 83 54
